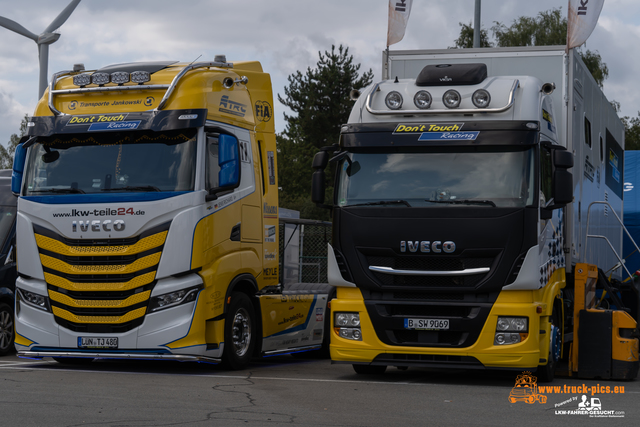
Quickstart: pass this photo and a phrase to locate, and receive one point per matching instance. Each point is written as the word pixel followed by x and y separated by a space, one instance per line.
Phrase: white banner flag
pixel 582 19
pixel 399 11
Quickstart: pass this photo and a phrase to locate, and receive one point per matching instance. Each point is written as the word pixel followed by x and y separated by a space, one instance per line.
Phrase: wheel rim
pixel 6 329
pixel 241 332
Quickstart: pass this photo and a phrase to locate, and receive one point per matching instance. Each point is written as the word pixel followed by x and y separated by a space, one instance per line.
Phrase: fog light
pixel 393 100
pixel 451 99
pixel 422 99
pixel 353 334
pixel 481 98
pixel 505 338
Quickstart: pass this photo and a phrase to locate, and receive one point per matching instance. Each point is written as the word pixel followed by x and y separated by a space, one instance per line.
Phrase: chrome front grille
pixel 103 285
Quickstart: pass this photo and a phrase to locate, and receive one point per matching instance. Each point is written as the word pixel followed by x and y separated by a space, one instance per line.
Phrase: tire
pixel 76 361
pixel 546 373
pixel 7 329
pixel 369 369
pixel 239 329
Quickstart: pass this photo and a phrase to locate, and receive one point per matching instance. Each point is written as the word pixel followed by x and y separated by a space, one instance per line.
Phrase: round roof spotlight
pixel 451 99
pixel 422 99
pixel 393 100
pixel 481 98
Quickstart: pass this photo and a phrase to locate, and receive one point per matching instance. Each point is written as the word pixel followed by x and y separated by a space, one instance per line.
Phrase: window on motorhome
pixel 587 132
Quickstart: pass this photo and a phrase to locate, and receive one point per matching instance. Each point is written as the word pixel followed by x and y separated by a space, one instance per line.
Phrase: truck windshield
pixel 438 179
pixel 112 162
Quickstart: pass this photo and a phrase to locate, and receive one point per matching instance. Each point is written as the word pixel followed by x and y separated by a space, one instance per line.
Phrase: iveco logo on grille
pixel 426 246
pixel 107 225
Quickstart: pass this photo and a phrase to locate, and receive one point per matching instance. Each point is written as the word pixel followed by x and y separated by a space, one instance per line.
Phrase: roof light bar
pixel 140 77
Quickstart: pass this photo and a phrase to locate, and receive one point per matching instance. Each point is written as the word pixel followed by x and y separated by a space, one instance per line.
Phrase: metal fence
pixel 303 249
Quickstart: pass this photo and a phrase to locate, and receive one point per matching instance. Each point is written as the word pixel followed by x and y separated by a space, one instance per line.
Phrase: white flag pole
pixel 582 19
pixel 399 11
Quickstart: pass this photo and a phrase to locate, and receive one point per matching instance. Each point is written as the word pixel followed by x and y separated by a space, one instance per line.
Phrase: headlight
pixel 481 98
pixel 34 300
pixel 451 98
pixel 347 325
pixel 347 319
pixel 393 100
pixel 173 299
pixel 422 99
pixel 511 330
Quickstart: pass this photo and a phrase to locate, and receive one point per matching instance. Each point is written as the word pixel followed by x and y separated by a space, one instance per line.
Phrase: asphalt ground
pixel 284 391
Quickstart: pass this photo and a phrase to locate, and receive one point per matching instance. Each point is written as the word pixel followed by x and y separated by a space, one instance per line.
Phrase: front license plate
pixel 97 342
pixel 426 324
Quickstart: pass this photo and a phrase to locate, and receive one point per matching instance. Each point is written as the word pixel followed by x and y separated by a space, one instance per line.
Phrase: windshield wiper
pixel 133 188
pixel 464 202
pixel 60 190
pixel 384 202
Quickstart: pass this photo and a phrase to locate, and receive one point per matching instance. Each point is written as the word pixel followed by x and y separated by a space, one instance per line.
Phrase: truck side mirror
pixel 19 159
pixel 562 178
pixel 317 187
pixel 320 161
pixel 229 161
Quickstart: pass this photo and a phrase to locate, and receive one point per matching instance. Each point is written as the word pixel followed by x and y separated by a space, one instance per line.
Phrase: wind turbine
pixel 43 40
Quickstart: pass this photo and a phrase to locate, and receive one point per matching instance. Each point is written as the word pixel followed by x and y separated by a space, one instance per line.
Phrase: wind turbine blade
pixel 64 15
pixel 14 26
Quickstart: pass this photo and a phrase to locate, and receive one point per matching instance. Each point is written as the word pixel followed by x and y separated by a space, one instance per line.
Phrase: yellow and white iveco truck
pixel 477 193
pixel 148 219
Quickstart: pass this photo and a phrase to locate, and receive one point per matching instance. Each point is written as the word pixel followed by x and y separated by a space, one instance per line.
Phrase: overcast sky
pixel 284 35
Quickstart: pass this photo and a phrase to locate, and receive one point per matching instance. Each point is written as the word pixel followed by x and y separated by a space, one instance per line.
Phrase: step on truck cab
pixel 148 219
pixel 464 187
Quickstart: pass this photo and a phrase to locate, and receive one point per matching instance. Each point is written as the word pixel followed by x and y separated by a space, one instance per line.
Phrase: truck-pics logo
pixel 97 225
pixel 526 390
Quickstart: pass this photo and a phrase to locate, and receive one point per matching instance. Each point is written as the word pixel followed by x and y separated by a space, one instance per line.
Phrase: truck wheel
pixel 370 369
pixel 547 372
pixel 6 329
pixel 239 327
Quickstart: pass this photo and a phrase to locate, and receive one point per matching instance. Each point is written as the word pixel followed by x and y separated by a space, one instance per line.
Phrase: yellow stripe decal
pixel 132 315
pixel 66 300
pixel 137 265
pixel 58 247
pixel 136 282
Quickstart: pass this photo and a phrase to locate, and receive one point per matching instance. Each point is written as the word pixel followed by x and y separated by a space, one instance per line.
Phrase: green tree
pixel 6 154
pixel 465 41
pixel 632 132
pixel 320 101
pixel 549 28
